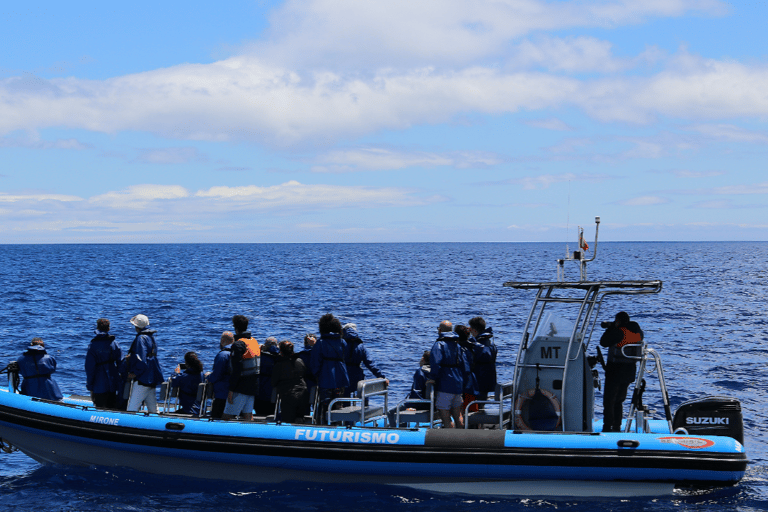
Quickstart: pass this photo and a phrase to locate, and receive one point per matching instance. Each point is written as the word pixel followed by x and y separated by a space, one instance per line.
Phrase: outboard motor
pixel 711 416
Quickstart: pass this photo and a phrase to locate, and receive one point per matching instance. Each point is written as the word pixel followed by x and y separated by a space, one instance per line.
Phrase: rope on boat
pixel 7 447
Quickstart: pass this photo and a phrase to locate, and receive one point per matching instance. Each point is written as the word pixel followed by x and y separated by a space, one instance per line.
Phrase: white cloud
pixel 387 159
pixel 729 132
pixel 449 56
pixel 368 34
pixel 575 54
pixel 713 205
pixel 298 195
pixel 171 156
pixel 644 201
pixel 749 189
pixel 549 124
pixel 547 180
pixel 139 196
pixel 687 173
pixel 36 143
pixel 18 198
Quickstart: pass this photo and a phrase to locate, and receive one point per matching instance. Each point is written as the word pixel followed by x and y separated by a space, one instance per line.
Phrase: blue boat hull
pixel 444 460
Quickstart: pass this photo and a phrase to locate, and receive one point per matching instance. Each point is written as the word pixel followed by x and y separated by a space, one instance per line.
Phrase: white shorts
pixel 241 404
pixel 446 401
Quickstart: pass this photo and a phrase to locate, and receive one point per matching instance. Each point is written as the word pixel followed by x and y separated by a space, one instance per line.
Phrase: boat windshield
pixel 554 326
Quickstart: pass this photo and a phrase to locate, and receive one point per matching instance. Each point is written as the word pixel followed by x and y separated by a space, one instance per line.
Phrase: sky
pixel 370 121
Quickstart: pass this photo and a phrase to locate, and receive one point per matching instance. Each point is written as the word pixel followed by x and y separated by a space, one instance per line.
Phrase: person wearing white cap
pixel 143 367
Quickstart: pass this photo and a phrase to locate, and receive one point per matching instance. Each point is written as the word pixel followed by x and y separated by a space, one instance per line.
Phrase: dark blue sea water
pixel 710 323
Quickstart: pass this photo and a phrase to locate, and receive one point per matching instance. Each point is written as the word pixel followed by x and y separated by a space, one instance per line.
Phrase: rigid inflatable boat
pixel 537 436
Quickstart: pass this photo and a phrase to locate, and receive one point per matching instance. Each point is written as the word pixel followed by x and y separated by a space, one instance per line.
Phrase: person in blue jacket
pixel 419 383
pixel 188 382
pixel 143 367
pixel 36 367
pixel 101 367
pixel 356 355
pixel 327 364
pixel 449 369
pixel 484 357
pixel 219 376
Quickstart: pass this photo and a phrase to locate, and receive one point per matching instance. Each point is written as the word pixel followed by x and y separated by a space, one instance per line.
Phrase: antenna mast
pixel 578 255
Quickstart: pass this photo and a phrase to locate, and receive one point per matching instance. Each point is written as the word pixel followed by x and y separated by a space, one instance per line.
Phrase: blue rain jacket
pixel 448 364
pixel 187 382
pixel 327 362
pixel 219 376
pixel 101 361
pixel 484 361
pixel 36 367
pixel 142 359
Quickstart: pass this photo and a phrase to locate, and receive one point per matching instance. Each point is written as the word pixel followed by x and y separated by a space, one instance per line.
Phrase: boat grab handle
pixel 174 426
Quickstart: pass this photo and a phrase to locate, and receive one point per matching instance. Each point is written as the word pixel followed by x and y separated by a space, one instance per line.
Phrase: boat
pixel 537 436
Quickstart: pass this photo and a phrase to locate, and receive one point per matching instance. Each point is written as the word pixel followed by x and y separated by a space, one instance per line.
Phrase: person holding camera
pixel 188 377
pixel 623 338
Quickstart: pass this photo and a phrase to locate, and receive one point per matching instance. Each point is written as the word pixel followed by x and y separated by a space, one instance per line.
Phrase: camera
pixel 606 325
pixel 183 366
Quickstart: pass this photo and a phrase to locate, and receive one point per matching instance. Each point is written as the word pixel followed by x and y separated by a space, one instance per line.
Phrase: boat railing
pixel 358 409
pixel 497 414
pixel 636 418
pixel 411 410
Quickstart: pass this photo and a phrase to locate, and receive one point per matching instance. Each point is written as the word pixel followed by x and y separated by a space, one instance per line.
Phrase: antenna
pixel 579 255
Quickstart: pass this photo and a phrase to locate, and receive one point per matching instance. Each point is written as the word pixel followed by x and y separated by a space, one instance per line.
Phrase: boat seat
pixel 358 410
pixel 492 412
pixel 406 414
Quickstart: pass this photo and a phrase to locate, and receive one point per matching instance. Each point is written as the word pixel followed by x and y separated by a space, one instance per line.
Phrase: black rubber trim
pixel 450 447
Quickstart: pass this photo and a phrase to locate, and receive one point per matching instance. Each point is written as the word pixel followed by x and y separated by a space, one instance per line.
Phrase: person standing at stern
pixel 143 367
pixel 624 340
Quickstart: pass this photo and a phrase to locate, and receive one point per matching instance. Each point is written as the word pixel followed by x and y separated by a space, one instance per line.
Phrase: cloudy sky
pixel 404 120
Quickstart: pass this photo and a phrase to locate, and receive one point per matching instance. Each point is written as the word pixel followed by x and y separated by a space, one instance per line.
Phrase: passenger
pixel 619 370
pixel 357 354
pixel 288 380
pixel 309 378
pixel 263 404
pixel 219 376
pixel 123 384
pixel 37 367
pixel 188 382
pixel 244 372
pixel 419 385
pixel 327 363
pixel 484 357
pixel 102 359
pixel 143 367
pixel 448 368
pixel 418 391
pixel 470 385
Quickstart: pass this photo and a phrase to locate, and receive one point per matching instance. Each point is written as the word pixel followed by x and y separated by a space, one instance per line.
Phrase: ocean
pixel 709 323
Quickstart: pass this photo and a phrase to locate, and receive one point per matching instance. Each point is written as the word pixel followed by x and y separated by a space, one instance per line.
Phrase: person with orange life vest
pixel 244 372
pixel 622 338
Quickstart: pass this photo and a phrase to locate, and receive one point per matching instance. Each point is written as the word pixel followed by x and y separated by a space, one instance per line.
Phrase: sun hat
pixel 140 321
